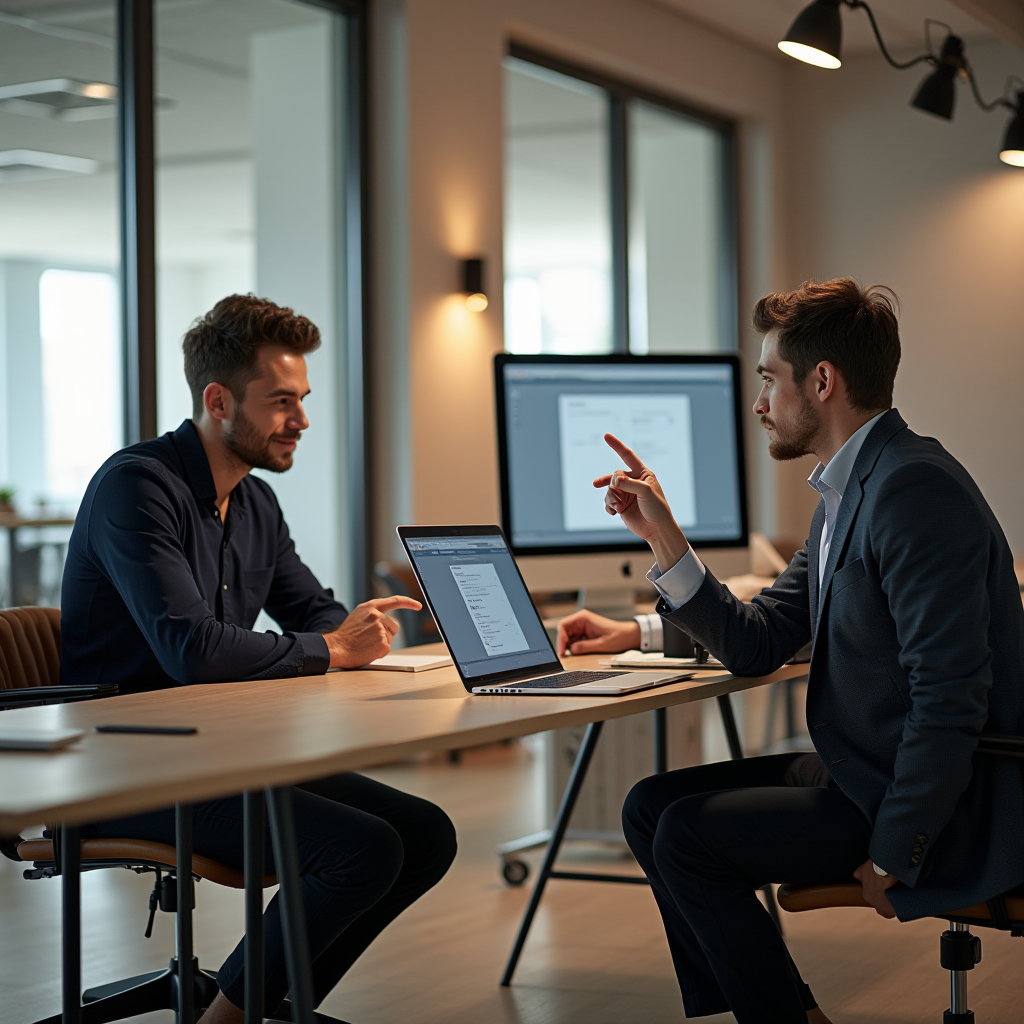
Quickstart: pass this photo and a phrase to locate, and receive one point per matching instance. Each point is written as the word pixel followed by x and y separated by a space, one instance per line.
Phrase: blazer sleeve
pixel 749 639
pixel 931 537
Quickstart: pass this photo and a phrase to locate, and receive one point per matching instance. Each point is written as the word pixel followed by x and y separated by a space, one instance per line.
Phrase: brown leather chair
pixel 959 950
pixel 30 667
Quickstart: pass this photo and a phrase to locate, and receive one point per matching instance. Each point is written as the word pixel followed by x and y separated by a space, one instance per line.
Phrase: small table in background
pixel 16 592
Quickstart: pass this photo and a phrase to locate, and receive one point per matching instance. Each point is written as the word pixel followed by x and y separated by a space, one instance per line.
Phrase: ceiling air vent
pixel 31 165
pixel 61 99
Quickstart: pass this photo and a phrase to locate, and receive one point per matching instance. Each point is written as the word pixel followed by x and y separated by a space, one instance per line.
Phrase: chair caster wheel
pixel 515 872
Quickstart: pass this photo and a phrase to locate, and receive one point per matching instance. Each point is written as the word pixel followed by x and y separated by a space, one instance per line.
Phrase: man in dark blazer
pixel 906 590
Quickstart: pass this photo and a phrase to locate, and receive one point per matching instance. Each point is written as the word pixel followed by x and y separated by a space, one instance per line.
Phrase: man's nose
pixel 299 419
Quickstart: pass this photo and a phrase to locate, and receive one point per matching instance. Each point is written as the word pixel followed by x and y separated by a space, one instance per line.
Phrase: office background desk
pixel 280 732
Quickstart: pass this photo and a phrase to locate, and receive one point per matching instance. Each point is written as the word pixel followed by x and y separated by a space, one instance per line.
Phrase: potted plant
pixel 7 499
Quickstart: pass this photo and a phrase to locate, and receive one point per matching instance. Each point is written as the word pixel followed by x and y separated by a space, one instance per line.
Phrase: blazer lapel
pixel 813 552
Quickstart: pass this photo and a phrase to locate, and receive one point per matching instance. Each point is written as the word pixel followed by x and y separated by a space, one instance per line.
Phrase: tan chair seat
pixel 796 898
pixel 142 852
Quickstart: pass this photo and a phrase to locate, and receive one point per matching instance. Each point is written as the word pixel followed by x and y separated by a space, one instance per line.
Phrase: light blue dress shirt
pixel 684 579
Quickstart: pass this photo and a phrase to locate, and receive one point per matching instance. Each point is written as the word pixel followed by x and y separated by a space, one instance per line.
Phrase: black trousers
pixel 708 838
pixel 366 852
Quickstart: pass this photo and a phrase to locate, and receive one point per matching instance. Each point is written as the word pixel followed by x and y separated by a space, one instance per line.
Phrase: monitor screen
pixel 680 414
pixel 479 600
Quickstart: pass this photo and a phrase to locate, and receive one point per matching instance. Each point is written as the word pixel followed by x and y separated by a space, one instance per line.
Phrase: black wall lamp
pixel 473 284
pixel 816 37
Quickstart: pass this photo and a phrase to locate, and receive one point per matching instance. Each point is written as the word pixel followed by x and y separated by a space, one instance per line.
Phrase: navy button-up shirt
pixel 158 592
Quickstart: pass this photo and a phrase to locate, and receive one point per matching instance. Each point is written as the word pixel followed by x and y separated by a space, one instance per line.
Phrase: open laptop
pixel 480 603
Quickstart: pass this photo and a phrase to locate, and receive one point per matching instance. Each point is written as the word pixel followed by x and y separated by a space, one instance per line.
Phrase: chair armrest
pixel 55 694
pixel 1008 746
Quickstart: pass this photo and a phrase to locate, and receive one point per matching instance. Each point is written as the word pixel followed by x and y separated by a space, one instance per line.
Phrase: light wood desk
pixel 276 733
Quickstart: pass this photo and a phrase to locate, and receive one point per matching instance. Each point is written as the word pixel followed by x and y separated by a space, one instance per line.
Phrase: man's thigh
pixel 652 795
pixel 807 835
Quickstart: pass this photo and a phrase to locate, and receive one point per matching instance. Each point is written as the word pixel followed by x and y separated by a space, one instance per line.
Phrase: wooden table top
pixel 14 521
pixel 284 731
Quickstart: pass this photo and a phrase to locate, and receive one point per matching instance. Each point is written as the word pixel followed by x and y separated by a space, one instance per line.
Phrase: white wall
pixel 892 195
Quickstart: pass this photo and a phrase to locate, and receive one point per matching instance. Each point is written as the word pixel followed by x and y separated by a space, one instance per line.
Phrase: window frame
pixel 620 93
pixel 137 196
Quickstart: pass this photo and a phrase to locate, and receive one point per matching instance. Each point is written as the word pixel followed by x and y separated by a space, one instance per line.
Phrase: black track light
pixel 937 93
pixel 1012 151
pixel 816 37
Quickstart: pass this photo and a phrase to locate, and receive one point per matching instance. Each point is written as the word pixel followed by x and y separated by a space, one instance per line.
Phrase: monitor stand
pixel 612 602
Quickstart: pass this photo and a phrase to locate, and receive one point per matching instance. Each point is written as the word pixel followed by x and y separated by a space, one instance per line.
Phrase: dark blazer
pixel 918 646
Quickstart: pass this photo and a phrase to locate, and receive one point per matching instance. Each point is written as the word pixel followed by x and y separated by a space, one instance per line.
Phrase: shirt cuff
pixel 681 582
pixel 652 635
pixel 313 652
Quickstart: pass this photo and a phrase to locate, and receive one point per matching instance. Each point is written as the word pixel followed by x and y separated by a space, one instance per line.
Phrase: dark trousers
pixel 708 838
pixel 366 852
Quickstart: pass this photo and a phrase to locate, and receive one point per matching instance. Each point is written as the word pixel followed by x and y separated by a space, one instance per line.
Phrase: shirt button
pixel 225 586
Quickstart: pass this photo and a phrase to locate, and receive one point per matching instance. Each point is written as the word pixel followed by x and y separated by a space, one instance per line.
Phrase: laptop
pixel 480 603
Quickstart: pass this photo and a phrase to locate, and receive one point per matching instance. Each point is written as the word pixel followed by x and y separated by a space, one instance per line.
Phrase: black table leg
pixel 253 811
pixel 572 791
pixel 71 924
pixel 296 941
pixel 660 740
pixel 183 918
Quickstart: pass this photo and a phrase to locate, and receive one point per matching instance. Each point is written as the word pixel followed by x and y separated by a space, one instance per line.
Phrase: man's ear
pixel 824 380
pixel 218 402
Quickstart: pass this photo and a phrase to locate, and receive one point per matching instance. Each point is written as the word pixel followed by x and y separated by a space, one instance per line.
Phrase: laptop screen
pixel 480 602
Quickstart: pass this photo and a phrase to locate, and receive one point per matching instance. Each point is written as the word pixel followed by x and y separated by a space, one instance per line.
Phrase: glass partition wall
pixel 251 159
pixel 619 216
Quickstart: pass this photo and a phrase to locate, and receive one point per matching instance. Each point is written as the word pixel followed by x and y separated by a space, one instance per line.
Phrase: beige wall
pixel 892 195
pixel 450 104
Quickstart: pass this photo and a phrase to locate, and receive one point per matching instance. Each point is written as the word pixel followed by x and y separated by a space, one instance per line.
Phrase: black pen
pixel 154 730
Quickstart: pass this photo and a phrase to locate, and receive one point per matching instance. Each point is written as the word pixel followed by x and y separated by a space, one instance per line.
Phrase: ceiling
pixel 763 22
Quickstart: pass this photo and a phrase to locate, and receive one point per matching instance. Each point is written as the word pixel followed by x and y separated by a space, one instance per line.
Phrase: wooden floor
pixel 597 954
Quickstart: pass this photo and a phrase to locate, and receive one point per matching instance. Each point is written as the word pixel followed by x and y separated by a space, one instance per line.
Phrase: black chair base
pixel 158 990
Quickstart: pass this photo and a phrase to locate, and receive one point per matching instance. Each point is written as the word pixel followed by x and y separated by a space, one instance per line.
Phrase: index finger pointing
pixel 387 604
pixel 628 456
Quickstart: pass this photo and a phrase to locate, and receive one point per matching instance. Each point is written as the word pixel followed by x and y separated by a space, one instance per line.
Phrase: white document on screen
pixel 657 427
pixel 489 608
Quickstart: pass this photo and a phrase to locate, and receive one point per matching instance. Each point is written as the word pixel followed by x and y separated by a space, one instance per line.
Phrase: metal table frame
pixel 568 803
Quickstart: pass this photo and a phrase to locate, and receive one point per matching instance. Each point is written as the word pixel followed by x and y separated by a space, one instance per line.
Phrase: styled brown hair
pixel 222 346
pixel 851 327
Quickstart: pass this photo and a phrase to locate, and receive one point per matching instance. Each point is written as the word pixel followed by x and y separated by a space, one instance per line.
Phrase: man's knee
pixel 368 861
pixel 680 844
pixel 640 808
pixel 430 841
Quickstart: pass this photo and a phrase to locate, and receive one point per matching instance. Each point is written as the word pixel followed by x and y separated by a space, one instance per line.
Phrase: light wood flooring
pixel 597 954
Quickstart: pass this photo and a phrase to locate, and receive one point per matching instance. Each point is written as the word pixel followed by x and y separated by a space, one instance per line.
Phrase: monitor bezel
pixel 503 359
pixel 494 678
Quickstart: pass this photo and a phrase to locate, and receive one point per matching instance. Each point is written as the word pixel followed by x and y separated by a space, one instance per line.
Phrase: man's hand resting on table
pixel 367 633
pixel 586 633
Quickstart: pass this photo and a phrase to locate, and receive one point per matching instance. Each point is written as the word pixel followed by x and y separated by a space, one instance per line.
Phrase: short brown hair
pixel 851 327
pixel 222 346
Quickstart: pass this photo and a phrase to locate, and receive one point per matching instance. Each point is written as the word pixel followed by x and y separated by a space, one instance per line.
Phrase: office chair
pixel 29 674
pixel 959 950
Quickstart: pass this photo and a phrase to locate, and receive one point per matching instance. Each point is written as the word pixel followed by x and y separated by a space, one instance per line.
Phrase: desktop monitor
pixel 681 414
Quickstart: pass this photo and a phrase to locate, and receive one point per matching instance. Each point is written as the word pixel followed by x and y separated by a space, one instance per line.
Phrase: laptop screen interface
pixel 488 620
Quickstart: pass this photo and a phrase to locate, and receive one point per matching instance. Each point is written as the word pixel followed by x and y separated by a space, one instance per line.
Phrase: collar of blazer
pixel 882 432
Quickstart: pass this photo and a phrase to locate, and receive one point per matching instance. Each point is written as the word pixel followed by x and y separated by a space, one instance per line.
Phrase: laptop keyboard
pixel 564 679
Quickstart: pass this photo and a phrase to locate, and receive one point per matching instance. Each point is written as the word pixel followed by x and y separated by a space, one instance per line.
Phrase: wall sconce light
pixel 473 284
pixel 1013 141
pixel 816 37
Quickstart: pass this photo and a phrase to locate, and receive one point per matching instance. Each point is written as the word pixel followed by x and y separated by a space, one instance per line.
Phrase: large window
pixel 619 217
pixel 155 156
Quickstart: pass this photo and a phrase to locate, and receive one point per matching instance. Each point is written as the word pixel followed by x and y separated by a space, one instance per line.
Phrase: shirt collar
pixel 193 456
pixel 836 474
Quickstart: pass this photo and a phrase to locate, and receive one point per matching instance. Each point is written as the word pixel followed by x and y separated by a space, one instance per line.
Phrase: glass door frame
pixel 137 164
pixel 620 93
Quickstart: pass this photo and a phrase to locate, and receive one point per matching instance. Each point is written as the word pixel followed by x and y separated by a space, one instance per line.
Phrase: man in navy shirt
pixel 175 551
